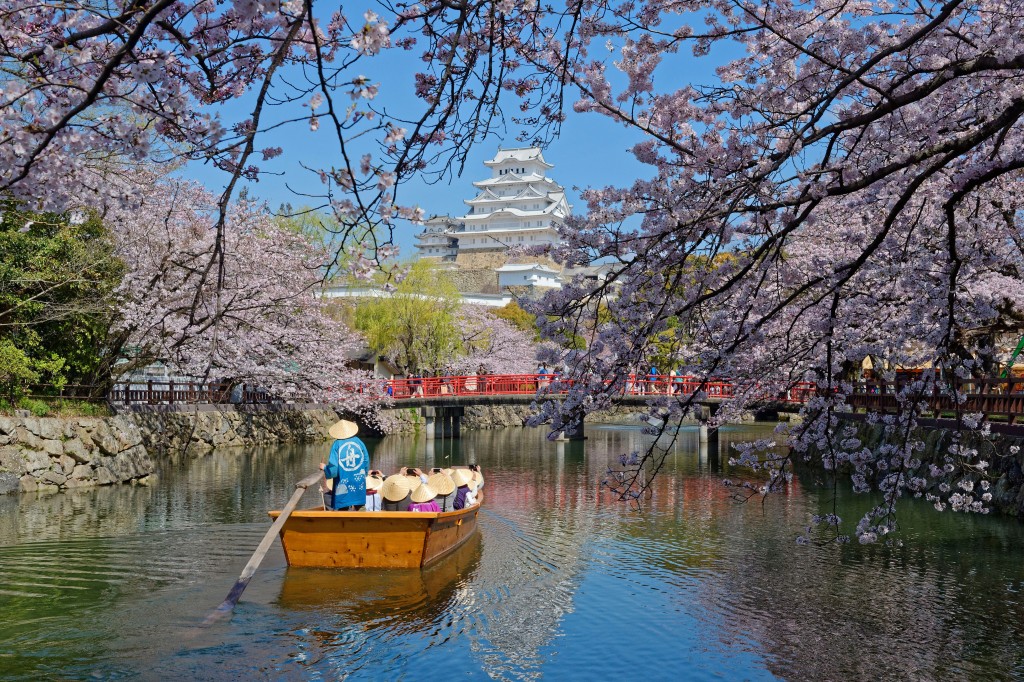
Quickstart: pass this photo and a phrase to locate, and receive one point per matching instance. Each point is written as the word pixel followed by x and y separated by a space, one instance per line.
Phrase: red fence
pixel 993 397
pixel 170 392
pixel 531 384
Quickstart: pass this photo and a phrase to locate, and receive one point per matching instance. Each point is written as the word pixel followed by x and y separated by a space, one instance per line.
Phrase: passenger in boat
pixel 415 476
pixel 478 478
pixel 423 500
pixel 346 468
pixel 374 482
pixel 465 494
pixel 395 492
pixel 443 485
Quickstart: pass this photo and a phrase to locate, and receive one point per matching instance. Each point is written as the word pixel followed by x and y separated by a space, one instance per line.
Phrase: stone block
pixel 132 463
pixel 75 449
pixel 82 471
pixel 6 438
pixel 51 428
pixel 11 458
pixel 106 439
pixel 84 433
pixel 9 483
pixel 66 463
pixel 7 425
pixel 28 484
pixel 33 460
pixel 31 424
pixel 27 438
pixel 53 447
pixel 53 477
pixel 104 476
pixel 80 483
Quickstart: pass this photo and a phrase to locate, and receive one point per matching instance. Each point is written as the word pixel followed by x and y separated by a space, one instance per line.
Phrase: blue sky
pixel 592 150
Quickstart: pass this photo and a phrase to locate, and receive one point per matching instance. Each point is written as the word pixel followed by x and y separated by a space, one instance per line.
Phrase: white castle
pixel 517 206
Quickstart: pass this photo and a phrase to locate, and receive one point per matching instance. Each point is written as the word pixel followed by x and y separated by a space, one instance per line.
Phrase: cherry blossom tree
pixel 262 323
pixel 497 345
pixel 88 89
pixel 858 162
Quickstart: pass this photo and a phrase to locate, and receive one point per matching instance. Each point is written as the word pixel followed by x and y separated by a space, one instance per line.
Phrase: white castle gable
pixel 517 206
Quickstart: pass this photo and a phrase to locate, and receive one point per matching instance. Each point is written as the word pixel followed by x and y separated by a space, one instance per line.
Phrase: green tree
pixel 417 326
pixel 57 278
pixel 515 315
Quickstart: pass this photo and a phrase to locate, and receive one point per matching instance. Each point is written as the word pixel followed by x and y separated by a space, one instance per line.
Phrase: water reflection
pixel 560 582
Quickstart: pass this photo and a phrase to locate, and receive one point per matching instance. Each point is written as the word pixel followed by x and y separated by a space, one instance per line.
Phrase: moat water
pixel 561 581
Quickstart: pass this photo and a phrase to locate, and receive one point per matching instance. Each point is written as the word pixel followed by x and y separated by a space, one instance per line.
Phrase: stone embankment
pixel 50 454
pixel 197 432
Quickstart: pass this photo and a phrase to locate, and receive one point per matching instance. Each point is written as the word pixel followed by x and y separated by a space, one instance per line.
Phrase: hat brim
pixel 423 494
pixel 343 429
pixel 395 488
pixel 441 483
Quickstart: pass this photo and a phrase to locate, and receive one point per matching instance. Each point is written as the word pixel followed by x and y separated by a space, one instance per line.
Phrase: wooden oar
pixel 254 562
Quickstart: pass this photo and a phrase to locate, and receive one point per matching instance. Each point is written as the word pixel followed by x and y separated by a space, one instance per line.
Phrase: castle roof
pixel 519 154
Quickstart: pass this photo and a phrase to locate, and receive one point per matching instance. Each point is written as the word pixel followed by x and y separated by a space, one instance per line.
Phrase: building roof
pixel 513 179
pixel 518 154
pixel 524 267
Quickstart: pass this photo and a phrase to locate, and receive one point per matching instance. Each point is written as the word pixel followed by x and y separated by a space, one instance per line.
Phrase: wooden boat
pixel 315 538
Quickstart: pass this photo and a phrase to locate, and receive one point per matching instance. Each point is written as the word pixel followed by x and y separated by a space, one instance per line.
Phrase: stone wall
pixel 50 454
pixel 197 432
pixel 475 280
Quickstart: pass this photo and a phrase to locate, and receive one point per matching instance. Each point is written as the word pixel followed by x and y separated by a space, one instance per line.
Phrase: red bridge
pixel 1001 399
pixel 638 388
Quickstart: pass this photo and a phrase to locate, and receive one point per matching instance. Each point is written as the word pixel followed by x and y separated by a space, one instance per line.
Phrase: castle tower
pixel 517 206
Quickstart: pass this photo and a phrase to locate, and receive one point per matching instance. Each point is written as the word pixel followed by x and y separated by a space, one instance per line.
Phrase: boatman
pixel 346 468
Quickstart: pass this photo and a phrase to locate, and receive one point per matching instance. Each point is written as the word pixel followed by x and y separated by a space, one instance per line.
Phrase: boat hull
pixel 315 538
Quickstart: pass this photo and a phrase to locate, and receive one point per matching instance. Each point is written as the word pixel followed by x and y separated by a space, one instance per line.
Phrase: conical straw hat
pixel 442 483
pixel 395 488
pixel 374 482
pixel 423 494
pixel 343 429
pixel 413 480
pixel 462 477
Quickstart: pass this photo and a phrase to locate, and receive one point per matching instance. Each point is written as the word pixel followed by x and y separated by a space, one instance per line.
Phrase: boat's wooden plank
pixel 318 538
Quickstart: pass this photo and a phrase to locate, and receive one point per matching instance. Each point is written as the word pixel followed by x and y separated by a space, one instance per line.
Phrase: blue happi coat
pixel 347 465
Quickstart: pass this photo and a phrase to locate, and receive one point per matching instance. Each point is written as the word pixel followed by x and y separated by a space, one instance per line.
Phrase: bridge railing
pixel 993 397
pixel 532 384
pixel 470 384
pixel 187 392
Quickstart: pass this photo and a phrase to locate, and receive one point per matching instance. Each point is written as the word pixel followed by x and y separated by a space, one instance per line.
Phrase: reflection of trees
pixel 854 612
